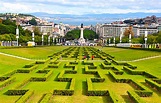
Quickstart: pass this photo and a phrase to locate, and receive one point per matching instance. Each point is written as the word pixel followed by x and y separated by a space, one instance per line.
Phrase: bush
pixel 113 97
pixel 45 98
pixel 22 83
pixel 10 73
pixel 63 92
pixel 8 81
pixel 135 97
pixel 3 78
pixel 153 84
pixel 25 97
pixel 15 92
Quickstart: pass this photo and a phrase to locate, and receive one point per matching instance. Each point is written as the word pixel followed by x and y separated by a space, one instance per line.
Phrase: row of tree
pixel 75 34
pixel 8 31
pixel 151 39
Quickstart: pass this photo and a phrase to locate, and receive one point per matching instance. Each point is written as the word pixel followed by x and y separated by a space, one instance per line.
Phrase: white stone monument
pixel 81 39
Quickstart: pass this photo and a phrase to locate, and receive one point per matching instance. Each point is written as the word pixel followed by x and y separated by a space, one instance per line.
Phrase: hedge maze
pixel 69 75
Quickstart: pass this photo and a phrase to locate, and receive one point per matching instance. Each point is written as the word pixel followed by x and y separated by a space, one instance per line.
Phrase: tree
pixel 152 39
pixel 33 21
pixel 129 31
pixel 75 34
pixel 159 37
pixel 37 31
pixel 1 21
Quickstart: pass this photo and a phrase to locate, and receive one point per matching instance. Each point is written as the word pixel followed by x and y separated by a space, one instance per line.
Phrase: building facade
pixel 140 31
pixel 110 30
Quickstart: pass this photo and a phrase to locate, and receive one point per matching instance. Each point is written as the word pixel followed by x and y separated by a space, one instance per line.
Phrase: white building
pixel 139 31
pixel 110 30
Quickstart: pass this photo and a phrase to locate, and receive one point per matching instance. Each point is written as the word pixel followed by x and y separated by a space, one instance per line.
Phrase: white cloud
pixel 80 6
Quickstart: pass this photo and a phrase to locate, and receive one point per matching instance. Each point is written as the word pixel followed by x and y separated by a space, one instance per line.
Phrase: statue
pixel 82 25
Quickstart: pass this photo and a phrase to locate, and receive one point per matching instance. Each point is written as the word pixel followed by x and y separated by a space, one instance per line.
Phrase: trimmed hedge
pixel 113 97
pixel 16 92
pixel 45 98
pixel 21 83
pixel 42 71
pixel 40 62
pixel 10 73
pixel 7 81
pixel 118 63
pixel 100 79
pixel 32 79
pixel 67 92
pixel 117 79
pixel 27 70
pixel 134 72
pixel 54 65
pixel 107 62
pixel 87 71
pixel 3 78
pixel 153 84
pixel 149 75
pixel 60 77
pixel 135 97
pixel 29 65
pixel 104 66
pixel 92 67
pixel 85 62
pixel 117 71
pixel 25 97
pixel 42 78
pixel 142 91
pixel 70 72
pixel 97 93
pixel 48 74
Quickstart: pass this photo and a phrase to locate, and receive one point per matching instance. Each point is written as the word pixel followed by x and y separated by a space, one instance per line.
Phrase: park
pixel 61 74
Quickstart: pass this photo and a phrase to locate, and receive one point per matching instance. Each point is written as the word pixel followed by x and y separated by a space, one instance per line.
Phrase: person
pixel 84 57
pixel 92 57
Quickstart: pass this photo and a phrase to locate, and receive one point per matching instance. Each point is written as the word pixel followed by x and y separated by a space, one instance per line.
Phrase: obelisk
pixel 81 39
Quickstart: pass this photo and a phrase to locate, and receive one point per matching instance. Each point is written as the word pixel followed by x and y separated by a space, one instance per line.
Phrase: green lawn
pixel 128 54
pixel 34 53
pixel 8 64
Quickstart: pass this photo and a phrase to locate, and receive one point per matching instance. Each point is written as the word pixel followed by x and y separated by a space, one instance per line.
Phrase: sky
pixel 79 7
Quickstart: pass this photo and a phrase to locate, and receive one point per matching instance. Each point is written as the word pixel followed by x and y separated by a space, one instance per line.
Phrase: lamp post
pixel 129 38
pixel 146 38
pixel 33 35
pixel 42 39
pixel 17 34
pixel 49 40
pixel 109 40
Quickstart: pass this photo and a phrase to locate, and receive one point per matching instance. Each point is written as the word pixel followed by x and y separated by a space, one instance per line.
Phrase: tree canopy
pixel 75 34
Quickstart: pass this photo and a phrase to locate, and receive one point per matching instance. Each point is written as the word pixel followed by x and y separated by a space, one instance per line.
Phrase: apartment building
pixel 140 31
pixel 111 30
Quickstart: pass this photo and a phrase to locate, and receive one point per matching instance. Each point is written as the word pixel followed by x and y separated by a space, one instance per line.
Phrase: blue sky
pixel 80 6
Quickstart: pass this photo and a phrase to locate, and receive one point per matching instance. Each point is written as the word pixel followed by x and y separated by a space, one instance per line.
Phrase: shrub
pixel 45 98
pixel 113 97
pixel 7 81
pixel 15 92
pixel 135 97
pixel 25 97
pixel 22 83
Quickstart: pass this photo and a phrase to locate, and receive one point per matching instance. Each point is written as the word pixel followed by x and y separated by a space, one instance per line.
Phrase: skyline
pixel 80 7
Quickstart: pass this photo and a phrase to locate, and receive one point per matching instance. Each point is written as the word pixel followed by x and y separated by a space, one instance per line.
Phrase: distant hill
pixel 106 15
